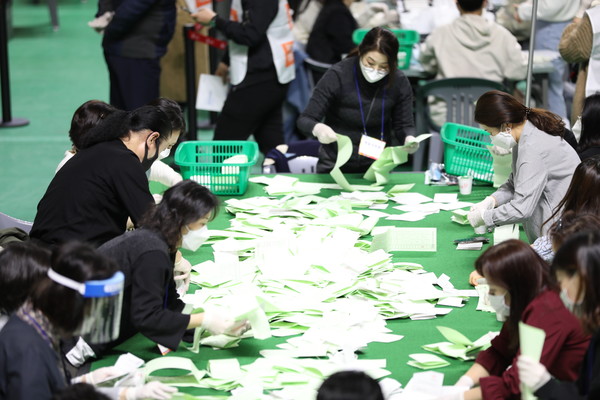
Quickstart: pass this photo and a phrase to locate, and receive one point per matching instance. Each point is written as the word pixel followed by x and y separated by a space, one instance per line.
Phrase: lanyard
pixel 362 114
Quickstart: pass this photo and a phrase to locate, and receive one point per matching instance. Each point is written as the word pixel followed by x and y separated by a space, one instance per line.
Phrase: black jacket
pixel 140 28
pixel 331 35
pixel 335 102
pixel 92 195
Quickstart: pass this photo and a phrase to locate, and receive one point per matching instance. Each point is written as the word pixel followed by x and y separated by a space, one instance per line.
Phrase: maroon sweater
pixel 563 352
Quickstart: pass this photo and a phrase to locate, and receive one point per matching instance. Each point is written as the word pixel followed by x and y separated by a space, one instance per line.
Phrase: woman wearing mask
pixel 364 97
pixel 542 164
pixel 521 290
pixel 577 269
pixel 151 305
pixel 92 195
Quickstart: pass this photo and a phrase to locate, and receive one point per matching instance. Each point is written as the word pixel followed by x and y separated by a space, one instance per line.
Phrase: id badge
pixel 370 147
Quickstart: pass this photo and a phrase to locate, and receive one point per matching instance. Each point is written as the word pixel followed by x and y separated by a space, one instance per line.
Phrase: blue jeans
pixel 547 36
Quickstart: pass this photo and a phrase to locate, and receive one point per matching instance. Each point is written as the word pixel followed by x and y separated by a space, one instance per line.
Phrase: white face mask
pixel 164 154
pixel 498 304
pixel 504 140
pixel 371 74
pixel 194 239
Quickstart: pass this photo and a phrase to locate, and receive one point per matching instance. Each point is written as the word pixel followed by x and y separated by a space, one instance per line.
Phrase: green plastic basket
pixel 406 39
pixel 214 165
pixel 466 152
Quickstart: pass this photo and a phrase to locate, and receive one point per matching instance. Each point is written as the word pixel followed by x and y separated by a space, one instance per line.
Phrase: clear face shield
pixel 103 301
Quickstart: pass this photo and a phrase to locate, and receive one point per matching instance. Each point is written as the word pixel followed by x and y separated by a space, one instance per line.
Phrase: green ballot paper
pixel 531 342
pixel 427 361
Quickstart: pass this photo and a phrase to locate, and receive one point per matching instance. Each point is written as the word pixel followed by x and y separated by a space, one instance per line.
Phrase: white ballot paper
pixel 212 93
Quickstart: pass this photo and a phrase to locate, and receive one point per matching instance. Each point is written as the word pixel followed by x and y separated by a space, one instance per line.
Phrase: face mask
pixel 577 128
pixel 371 75
pixel 498 304
pixel 194 239
pixel 574 307
pixel 504 140
pixel 164 154
pixel 148 161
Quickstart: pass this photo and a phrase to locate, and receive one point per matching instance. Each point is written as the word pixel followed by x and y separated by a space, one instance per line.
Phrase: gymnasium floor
pixel 51 74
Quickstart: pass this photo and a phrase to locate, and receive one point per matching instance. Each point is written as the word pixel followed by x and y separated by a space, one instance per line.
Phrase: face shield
pixel 103 300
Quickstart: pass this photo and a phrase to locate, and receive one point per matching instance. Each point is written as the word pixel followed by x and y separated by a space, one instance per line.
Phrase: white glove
pixel 80 353
pixel 181 272
pixel 500 151
pixel 324 133
pixel 475 217
pixel 465 381
pixel 162 173
pixel 219 320
pixel 411 145
pixel 532 373
pixel 151 390
pixel 97 376
pixel 489 203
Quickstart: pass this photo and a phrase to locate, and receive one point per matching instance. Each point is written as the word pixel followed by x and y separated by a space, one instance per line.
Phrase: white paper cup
pixel 465 184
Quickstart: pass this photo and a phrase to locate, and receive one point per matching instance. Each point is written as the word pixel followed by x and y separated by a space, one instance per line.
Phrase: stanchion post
pixel 7 119
pixel 190 81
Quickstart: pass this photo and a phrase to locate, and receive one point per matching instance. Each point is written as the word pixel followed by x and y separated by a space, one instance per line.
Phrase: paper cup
pixel 465 184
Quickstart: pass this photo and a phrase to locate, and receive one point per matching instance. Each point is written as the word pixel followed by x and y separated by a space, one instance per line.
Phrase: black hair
pixel 182 204
pixel 590 123
pixel 495 108
pixel 64 307
pixel 87 116
pixel 383 41
pixel 22 265
pixel 173 112
pixel 121 124
pixel 350 385
pixel 470 5
pixel 80 391
pixel 580 254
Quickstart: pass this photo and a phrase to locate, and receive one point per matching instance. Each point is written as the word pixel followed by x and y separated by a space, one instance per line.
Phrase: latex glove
pixel 80 353
pixel 411 144
pixel 489 203
pixel 475 217
pixel 324 133
pixel 474 278
pixel 151 390
pixel 465 381
pixel 218 320
pixel 97 376
pixel 532 373
pixel 181 272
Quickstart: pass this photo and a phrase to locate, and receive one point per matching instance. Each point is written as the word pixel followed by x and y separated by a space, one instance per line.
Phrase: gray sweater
pixel 335 103
pixel 543 166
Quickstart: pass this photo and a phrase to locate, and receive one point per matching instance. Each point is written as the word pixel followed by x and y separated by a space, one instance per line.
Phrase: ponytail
pixel 546 121
pixel 112 127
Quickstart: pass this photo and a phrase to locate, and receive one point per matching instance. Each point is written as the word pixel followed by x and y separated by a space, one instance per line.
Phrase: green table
pixel 456 264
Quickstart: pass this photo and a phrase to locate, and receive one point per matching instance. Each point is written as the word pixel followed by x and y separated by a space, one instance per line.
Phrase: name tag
pixel 370 147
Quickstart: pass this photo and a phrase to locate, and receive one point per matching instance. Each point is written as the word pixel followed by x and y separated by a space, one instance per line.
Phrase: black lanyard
pixel 362 114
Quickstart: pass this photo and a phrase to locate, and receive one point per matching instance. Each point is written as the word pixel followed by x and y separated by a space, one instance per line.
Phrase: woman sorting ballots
pixel 81 294
pixel 92 112
pixel 364 97
pixel 577 268
pixel 93 194
pixel 521 289
pixel 542 164
pixel 151 305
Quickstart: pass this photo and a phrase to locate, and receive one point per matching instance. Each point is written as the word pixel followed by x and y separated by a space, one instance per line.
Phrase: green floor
pixel 51 74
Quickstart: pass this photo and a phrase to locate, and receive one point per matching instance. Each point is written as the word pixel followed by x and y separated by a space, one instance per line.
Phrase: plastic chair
pixel 315 70
pixel 460 95
pixel 6 221
pixel 299 157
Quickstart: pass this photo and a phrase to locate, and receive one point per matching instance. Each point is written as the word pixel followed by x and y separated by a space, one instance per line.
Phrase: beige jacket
pixel 474 47
pixel 575 46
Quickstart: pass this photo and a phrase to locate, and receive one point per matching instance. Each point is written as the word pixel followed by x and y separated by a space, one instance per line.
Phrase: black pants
pixel 134 82
pixel 253 109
